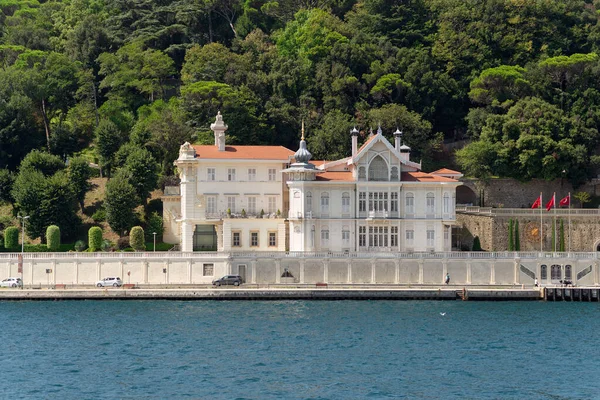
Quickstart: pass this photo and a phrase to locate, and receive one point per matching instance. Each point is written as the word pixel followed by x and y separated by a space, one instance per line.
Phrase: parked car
pixel 111 281
pixel 228 280
pixel 11 282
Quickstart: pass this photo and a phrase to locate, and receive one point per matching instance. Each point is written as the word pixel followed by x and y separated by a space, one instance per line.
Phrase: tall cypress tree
pixel 553 235
pixel 517 239
pixel 511 242
pixel 561 236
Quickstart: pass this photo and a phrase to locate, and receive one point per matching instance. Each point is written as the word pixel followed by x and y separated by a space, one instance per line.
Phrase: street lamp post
pixel 154 233
pixel 23 218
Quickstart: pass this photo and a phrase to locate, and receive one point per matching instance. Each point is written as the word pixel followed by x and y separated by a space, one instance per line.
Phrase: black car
pixel 235 280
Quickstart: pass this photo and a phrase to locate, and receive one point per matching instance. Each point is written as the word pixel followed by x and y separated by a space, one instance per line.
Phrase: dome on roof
pixel 354 132
pixel 302 155
pixel 398 132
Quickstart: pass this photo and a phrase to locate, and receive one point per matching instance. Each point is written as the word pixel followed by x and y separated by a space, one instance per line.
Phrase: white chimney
pixel 397 139
pixel 219 129
pixel 354 133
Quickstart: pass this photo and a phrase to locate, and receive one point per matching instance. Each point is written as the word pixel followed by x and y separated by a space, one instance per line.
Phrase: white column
pixel 76 272
pixel 145 271
pixel 277 271
pixel 349 280
pixel 373 262
pixel 596 273
pixel 326 271
pixel 189 265
pixel 253 267
pixel 420 271
pixel 517 274
pixel 444 269
pixel 397 271
pixel 187 236
pixel 493 273
pixel 98 269
pixel 468 272
pixel 302 271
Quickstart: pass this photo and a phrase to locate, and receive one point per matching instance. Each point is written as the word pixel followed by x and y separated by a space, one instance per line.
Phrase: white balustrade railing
pixel 307 255
pixel 563 212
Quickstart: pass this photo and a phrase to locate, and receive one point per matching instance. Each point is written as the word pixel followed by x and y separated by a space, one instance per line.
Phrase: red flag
pixel 537 203
pixel 566 201
pixel 550 204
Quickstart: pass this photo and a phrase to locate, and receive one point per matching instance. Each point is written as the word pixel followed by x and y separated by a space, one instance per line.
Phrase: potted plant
pixel 229 213
pixel 262 213
pixel 278 213
pixel 243 213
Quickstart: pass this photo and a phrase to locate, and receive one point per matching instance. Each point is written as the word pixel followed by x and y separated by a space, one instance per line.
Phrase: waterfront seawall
pixel 45 270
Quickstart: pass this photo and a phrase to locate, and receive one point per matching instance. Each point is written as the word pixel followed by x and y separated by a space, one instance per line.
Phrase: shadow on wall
pixel 466 195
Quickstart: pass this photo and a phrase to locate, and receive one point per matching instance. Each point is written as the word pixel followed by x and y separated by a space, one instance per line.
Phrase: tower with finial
pixel 219 128
pixel 397 139
pixel 354 133
pixel 302 169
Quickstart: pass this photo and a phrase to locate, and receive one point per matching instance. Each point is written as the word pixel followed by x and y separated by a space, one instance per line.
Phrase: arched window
pixel 362 173
pixel 325 237
pixel 345 202
pixel 410 203
pixel 325 202
pixel 555 272
pixel 568 274
pixel 430 203
pixel 309 201
pixel 378 170
pixel 544 272
pixel 394 176
pixel 446 203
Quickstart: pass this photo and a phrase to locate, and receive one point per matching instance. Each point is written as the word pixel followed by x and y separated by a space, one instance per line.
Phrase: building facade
pixel 268 198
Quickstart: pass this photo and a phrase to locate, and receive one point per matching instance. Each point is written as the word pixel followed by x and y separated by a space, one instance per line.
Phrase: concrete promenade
pixel 278 292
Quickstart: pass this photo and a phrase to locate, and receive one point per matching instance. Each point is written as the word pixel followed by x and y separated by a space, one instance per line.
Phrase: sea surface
pixel 299 350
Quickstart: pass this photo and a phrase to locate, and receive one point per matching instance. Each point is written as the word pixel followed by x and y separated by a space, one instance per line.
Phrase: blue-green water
pixel 299 350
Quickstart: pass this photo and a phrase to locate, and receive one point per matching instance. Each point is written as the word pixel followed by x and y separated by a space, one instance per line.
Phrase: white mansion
pixel 268 198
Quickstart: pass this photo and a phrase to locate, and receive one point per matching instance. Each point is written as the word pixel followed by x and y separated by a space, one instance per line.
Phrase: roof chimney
pixel 354 133
pixel 397 139
pixel 219 129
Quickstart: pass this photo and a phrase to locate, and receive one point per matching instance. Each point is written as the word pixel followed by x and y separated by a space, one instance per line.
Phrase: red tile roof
pixel 335 176
pixel 244 152
pixel 424 177
pixel 446 171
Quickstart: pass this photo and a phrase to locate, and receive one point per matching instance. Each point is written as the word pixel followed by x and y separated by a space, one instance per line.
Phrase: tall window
pixel 210 174
pixel 236 239
pixel 394 236
pixel 394 202
pixel 410 237
pixel 430 238
pixel 568 274
pixel 362 201
pixel 345 202
pixel 543 272
pixel 362 236
pixel 251 174
pixel 430 203
pixel 325 237
pixel 378 201
pixel 253 239
pixel 410 203
pixel 309 201
pixel 555 272
pixel 271 204
pixel 252 205
pixel 345 236
pixel 211 204
pixel 325 202
pixel 378 170
pixel 378 236
pixel 231 203
pixel 231 174
pixel 272 239
pixel 446 203
pixel 272 174
pixel 362 173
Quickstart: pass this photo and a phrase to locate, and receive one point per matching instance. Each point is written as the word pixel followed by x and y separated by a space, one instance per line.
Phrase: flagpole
pixel 556 247
pixel 569 214
pixel 541 222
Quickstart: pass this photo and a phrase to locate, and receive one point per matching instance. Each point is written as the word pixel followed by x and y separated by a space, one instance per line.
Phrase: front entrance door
pixel 242 272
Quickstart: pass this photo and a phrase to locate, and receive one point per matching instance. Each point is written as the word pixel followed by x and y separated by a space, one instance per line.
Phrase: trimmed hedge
pixel 95 238
pixel 136 238
pixel 53 237
pixel 11 237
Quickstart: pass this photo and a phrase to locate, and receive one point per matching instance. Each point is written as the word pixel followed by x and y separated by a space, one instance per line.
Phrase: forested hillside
pixel 123 83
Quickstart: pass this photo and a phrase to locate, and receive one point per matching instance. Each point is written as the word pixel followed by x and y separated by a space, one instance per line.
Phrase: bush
pixel 79 245
pixel 99 215
pixel 476 244
pixel 11 237
pixel 95 238
pixel 136 238
pixel 123 243
pixel 53 238
pixel 107 245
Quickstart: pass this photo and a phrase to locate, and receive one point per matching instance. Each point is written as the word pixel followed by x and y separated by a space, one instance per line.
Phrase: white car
pixel 11 282
pixel 111 281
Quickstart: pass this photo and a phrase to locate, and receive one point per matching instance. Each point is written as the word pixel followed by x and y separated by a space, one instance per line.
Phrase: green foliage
pixel 79 174
pixel 7 179
pixel 53 237
pixel 99 215
pixel 476 244
pixel 95 238
pixel 79 245
pixel 47 164
pixel 107 245
pixel 511 246
pixel 141 171
pixel 11 238
pixel 121 200
pixel 136 238
pixel 154 224
pixel 553 234
pixel 108 140
pixel 561 245
pixel 517 237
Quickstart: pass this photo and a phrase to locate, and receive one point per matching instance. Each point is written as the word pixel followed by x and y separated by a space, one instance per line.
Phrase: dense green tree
pixel 11 238
pixel 95 238
pixel 120 202
pixel 331 139
pixel 79 174
pixel 47 164
pixel 136 238
pixel 108 141
pixel 7 179
pixel 141 171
